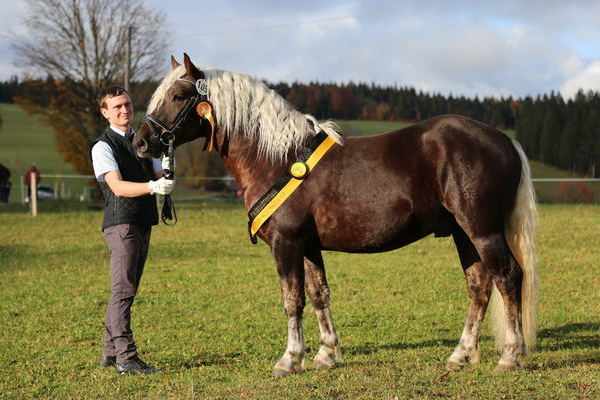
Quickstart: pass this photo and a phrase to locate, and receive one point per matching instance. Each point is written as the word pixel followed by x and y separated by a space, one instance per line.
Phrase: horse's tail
pixel 520 232
pixel 332 129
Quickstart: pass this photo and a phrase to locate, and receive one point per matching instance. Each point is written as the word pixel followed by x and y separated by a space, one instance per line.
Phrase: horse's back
pixel 384 191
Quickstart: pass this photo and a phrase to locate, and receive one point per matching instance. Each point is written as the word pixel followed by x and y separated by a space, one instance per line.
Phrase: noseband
pixel 165 133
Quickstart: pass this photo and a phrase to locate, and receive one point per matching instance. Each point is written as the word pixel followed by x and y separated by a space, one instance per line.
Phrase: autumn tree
pixel 73 49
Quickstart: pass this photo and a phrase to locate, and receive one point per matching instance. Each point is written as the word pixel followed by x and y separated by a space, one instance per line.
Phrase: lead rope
pixel 168 209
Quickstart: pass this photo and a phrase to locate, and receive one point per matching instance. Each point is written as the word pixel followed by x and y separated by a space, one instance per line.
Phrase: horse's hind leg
pixel 508 277
pixel 479 284
pixel 288 256
pixel 330 352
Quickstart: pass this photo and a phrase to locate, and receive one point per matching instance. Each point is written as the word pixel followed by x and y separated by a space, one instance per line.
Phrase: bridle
pixel 165 133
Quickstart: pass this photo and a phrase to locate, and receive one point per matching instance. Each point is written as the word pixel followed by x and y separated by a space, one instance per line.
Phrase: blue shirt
pixel 104 161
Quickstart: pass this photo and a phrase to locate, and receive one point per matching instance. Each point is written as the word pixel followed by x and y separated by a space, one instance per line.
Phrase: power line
pixel 269 15
pixel 313 22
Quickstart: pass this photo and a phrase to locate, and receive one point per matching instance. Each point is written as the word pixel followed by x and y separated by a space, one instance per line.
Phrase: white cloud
pixel 10 20
pixel 497 48
pixel 587 79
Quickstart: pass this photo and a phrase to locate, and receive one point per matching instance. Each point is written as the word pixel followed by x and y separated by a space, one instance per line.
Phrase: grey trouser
pixel 128 246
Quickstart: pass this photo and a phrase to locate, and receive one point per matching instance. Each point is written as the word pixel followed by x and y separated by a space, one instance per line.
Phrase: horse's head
pixel 177 111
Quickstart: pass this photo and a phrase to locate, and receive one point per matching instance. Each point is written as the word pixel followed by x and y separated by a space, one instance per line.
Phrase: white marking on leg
pixel 513 347
pixel 293 358
pixel 330 352
pixel 468 345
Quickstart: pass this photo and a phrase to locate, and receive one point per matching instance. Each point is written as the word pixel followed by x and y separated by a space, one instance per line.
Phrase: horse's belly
pixel 371 232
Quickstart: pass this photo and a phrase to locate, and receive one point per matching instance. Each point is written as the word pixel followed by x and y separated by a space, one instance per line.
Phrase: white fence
pixel 71 186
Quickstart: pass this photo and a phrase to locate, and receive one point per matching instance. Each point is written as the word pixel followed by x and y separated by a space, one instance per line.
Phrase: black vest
pixel 128 210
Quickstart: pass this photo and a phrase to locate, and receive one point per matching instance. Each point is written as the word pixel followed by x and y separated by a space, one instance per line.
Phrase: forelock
pixel 161 91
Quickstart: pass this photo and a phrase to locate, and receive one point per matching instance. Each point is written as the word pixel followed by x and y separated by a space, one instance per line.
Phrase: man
pixel 4 184
pixel 128 184
pixel 33 170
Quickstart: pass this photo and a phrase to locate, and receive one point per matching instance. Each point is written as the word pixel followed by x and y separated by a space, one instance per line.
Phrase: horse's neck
pixel 254 174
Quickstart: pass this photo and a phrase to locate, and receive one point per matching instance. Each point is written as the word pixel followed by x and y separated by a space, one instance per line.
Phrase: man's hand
pixel 162 186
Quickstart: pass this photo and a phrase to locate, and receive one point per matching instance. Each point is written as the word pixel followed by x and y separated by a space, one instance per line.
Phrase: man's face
pixel 118 111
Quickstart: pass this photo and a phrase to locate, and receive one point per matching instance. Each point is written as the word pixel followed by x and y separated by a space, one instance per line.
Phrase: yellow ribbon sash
pixel 279 193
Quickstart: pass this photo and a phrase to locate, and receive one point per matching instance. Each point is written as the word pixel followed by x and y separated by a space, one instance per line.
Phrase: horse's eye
pixel 178 97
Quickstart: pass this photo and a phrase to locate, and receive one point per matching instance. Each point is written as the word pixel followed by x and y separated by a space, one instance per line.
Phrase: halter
pixel 199 103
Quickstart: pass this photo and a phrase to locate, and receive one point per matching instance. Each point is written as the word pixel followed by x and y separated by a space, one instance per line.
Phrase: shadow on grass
pixel 573 361
pixel 371 348
pixel 570 337
pixel 207 360
pixel 575 336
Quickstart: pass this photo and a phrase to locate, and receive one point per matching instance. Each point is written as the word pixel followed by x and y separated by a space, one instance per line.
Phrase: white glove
pixel 162 186
pixel 165 163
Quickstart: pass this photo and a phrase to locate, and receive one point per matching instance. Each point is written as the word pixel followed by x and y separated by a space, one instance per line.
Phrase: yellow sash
pixel 297 174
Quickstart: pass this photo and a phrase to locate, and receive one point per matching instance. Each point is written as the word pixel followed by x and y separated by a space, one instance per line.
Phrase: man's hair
pixel 111 92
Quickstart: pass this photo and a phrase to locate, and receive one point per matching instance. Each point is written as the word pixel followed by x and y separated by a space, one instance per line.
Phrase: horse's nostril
pixel 140 145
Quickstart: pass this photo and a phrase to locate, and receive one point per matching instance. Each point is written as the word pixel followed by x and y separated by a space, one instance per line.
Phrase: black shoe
pixel 135 366
pixel 108 361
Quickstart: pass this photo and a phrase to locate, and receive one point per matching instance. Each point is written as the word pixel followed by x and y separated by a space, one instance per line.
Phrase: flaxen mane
pixel 246 106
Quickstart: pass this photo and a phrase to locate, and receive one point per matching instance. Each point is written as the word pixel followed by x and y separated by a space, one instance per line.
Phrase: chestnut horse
pixel 449 175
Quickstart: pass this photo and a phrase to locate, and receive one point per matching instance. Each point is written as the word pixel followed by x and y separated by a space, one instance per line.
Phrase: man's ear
pixel 190 68
pixel 104 111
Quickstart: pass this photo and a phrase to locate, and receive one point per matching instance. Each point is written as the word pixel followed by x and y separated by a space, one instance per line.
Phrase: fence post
pixel 33 197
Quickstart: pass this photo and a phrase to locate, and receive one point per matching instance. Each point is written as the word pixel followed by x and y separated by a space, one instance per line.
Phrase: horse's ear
pixel 190 68
pixel 174 63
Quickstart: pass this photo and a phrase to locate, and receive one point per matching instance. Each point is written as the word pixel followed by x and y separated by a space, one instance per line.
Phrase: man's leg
pixel 126 250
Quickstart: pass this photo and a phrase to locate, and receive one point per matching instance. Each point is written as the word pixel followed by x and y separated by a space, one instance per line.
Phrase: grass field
pixel 24 139
pixel 209 311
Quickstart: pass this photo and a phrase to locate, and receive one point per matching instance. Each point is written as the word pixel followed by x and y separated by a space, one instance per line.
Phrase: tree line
pixel 340 101
pixel 391 103
pixel 565 134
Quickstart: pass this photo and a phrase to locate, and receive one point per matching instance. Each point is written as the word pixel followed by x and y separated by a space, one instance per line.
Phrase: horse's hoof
pixel 320 364
pixel 507 367
pixel 278 373
pixel 453 366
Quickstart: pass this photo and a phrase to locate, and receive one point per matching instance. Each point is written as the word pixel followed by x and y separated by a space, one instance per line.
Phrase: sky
pixel 459 47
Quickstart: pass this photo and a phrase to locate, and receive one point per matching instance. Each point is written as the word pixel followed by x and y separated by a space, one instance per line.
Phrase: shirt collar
pixel 122 133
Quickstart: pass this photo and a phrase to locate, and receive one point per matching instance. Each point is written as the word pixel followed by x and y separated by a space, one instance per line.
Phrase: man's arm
pixel 126 188
pixel 135 189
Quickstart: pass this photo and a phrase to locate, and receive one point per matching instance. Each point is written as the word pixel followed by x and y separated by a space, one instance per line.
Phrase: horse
pixel 448 176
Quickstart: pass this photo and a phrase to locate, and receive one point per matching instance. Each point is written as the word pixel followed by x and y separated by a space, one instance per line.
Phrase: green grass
pixel 25 139
pixel 209 311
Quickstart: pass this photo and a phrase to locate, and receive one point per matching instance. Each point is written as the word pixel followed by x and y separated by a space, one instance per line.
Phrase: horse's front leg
pixel 288 256
pixel 330 352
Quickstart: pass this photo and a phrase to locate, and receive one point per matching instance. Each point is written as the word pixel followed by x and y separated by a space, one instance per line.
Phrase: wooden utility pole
pixel 128 58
